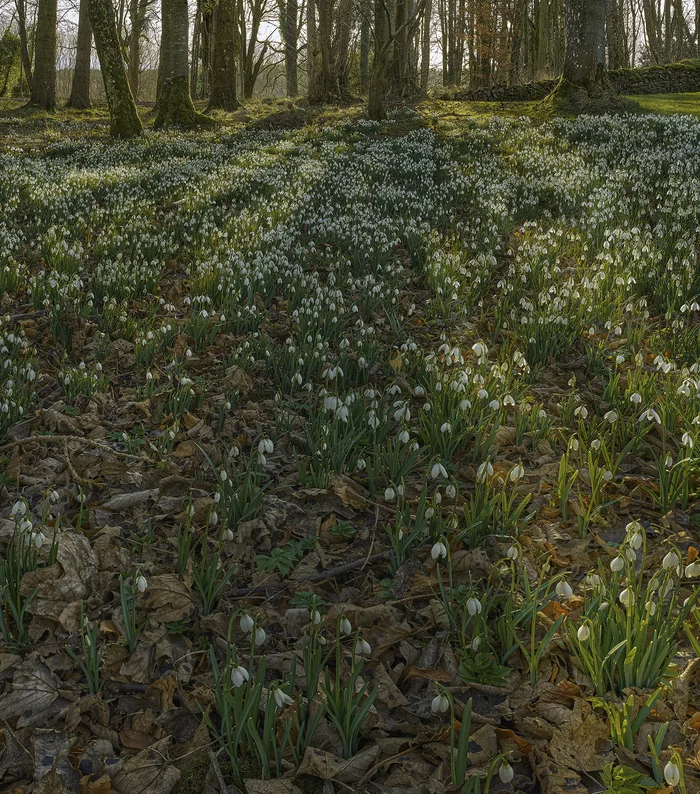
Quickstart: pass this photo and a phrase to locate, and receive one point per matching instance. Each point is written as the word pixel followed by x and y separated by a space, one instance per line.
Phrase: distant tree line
pixel 330 50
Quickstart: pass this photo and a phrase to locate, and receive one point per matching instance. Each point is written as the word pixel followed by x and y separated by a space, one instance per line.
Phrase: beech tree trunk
pixel 80 87
pixel 289 26
pixel 44 81
pixel 175 108
pixel 24 45
pixel 124 120
pixel 378 82
pixel 223 83
pixel 137 17
pixel 584 63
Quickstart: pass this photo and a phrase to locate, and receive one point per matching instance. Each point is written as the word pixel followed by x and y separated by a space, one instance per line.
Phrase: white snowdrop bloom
pixel 581 412
pixel 345 626
pixel 247 623
pixel 651 608
pixel 389 494
pixel 227 534
pixel 439 550
pixel 650 415
pixel 627 598
pixel 362 647
pixel 672 774
pixel 617 564
pixel 583 632
pixel 693 569
pixel 687 440
pixel 440 704
pixel 141 583
pixel 482 394
pixel 266 447
pixel 611 417
pixel 671 560
pixel 239 676
pixel 451 491
pixel 513 553
pixel 282 699
pixel 505 772
pixel 563 589
pixel 260 635
pixel 404 437
pixel 315 617
pixel 630 554
pixel 446 427
pixel 480 349
pixel 361 464
pixel 485 470
pixel 438 470
pixel 474 606
pixel 517 473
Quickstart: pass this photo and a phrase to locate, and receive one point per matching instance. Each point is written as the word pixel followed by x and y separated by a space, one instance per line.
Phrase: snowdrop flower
pixel 362 647
pixel 315 617
pixel 650 415
pixel 617 564
pixel 671 560
pixel 439 550
pixel 505 772
pixel 636 398
pixel 474 606
pixel 672 774
pixel 564 589
pixel 389 494
pixel 485 470
pixel 687 440
pixel 693 569
pixel 513 553
pixel 517 473
pixel 282 698
pixel 583 633
pixel 239 675
pixel 227 534
pixel 260 635
pixel 438 470
pixel 247 623
pixel 141 583
pixel 440 704
pixel 404 437
pixel 345 626
pixel 627 598
pixel 611 417
pixel 265 447
pixel 446 427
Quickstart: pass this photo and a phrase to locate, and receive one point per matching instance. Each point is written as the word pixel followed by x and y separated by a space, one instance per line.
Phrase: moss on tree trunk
pixel 175 108
pixel 125 121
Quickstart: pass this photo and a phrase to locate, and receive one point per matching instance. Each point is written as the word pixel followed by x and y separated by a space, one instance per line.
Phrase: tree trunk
pixel 290 47
pixel 616 35
pixel 223 84
pixel 125 122
pixel 377 86
pixel 137 14
pixel 175 108
pixel 44 82
pixel 584 62
pixel 80 88
pixel 24 45
pixel 365 41
pixel 425 47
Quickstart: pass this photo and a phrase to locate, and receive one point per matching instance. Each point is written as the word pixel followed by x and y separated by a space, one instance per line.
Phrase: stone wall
pixel 674 78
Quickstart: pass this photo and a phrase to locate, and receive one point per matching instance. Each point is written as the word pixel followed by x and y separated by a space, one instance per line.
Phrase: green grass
pixel 668 104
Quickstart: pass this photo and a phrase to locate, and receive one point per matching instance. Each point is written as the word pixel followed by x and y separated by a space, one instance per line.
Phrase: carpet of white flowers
pixel 356 457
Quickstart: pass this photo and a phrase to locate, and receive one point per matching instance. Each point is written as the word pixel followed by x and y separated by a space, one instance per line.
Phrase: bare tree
pixel 80 87
pixel 44 80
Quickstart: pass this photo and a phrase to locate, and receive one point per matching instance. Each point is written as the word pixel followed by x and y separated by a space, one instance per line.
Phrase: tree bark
pixel 618 57
pixel 584 62
pixel 24 45
pixel 80 87
pixel 365 41
pixel 425 47
pixel 223 85
pixel 175 108
pixel 377 86
pixel 289 27
pixel 125 122
pixel 137 15
pixel 44 82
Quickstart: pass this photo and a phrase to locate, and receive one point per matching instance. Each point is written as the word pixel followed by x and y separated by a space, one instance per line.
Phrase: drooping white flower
pixel 564 589
pixel 141 583
pixel 440 704
pixel 474 606
pixel 345 626
pixel 247 623
pixel 439 550
pixel 671 560
pixel 239 675
pixel 672 774
pixel 362 647
pixel 617 564
pixel 260 635
pixel 282 698
pixel 505 772
pixel 583 632
pixel 627 598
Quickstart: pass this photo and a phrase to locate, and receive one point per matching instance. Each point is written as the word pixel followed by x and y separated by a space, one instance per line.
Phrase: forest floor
pixel 338 455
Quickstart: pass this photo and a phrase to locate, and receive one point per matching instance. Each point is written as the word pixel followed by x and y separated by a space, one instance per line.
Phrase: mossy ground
pixel 448 117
